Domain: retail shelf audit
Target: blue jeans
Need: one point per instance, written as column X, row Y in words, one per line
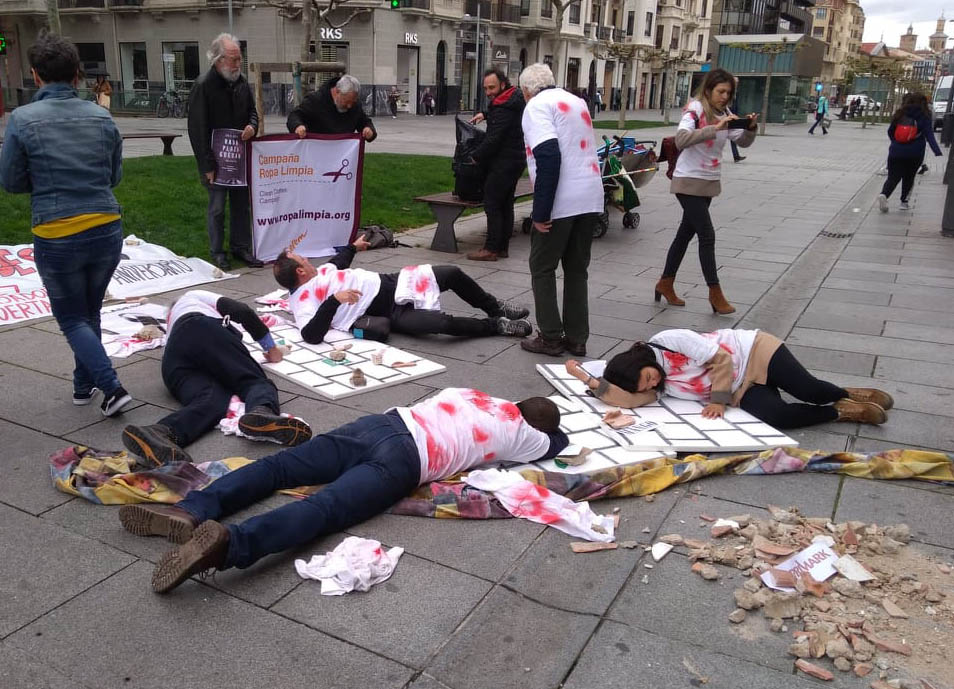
column 368, row 465
column 76, row 271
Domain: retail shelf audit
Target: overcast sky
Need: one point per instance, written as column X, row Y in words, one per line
column 891, row 18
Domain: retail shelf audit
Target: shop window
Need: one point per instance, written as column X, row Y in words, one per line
column 182, row 68
column 133, row 66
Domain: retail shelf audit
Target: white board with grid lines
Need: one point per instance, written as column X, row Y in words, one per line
column 680, row 424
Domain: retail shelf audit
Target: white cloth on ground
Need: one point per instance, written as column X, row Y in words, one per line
column 539, row 504
column 356, row 564
column 121, row 324
column 417, row 285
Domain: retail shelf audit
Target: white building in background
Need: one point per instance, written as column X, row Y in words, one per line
column 151, row 46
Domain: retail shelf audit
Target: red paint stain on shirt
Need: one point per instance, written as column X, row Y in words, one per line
column 447, row 408
column 726, row 348
column 304, row 296
column 710, row 143
column 529, row 500
column 595, row 168
column 340, row 276
column 509, row 412
column 481, row 400
column 489, row 456
column 321, row 292
column 582, row 143
column 529, row 152
column 676, row 361
column 586, row 118
column 422, row 284
column 564, row 107
column 480, row 435
column 715, row 162
column 436, row 453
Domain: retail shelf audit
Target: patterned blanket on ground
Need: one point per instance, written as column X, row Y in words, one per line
column 114, row 479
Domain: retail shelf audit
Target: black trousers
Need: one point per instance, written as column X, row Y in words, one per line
column 786, row 373
column 239, row 222
column 410, row 321
column 203, row 365
column 901, row 170
column 695, row 222
column 499, row 188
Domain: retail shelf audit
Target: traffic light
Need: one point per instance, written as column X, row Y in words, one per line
column 3, row 44
column 395, row 4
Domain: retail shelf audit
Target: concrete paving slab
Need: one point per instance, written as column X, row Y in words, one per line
column 386, row 618
column 813, row 439
column 260, row 648
column 19, row 670
column 923, row 351
column 822, row 359
column 620, row 656
column 20, row 345
column 813, row 494
column 841, row 324
column 506, row 634
column 928, row 431
column 24, row 454
column 44, row 565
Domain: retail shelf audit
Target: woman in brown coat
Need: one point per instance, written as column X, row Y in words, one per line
column 103, row 90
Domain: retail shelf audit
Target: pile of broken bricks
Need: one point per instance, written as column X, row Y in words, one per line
column 852, row 618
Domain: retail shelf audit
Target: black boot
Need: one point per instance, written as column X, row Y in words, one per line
column 264, row 424
column 157, row 444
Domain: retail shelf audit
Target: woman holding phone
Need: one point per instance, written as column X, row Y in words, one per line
column 706, row 125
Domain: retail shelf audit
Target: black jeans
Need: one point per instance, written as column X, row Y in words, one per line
column 819, row 120
column 366, row 466
column 239, row 222
column 786, row 373
column 410, row 321
column 901, row 170
column 203, row 365
column 695, row 221
column 499, row 188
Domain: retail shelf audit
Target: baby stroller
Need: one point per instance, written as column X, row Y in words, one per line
column 625, row 165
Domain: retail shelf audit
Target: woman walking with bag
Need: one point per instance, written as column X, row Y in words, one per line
column 707, row 123
column 911, row 128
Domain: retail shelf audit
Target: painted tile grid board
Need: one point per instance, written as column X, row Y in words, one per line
column 680, row 424
column 308, row 365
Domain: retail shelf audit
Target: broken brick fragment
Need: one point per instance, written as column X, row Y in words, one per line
column 813, row 670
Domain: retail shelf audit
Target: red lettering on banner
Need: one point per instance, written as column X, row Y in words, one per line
column 11, row 266
column 26, row 253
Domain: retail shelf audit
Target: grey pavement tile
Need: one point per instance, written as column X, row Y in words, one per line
column 769, row 257
column 463, row 348
column 24, row 455
column 863, row 344
column 619, row 310
column 857, row 274
column 884, row 502
column 834, row 360
column 877, row 313
column 879, row 256
column 814, row 439
column 814, row 494
column 928, row 431
column 852, row 296
column 926, row 333
column 186, row 642
column 943, row 304
column 672, row 318
column 910, row 397
column 627, row 657
column 545, row 570
column 513, row 383
column 44, row 565
column 680, row 605
column 456, row 543
column 380, row 401
column 909, row 370
column 20, row 347
column 387, row 618
column 143, row 380
column 19, row 670
column 839, row 323
column 506, row 634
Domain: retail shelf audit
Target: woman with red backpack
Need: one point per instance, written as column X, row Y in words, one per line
column 911, row 126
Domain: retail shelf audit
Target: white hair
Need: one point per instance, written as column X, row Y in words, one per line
column 216, row 51
column 535, row 78
column 348, row 84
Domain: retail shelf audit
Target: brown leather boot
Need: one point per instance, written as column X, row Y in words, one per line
column 170, row 521
column 879, row 397
column 718, row 302
column 862, row 412
column 482, row 255
column 665, row 288
column 205, row 550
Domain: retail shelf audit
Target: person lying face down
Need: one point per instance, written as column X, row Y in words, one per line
column 334, row 295
column 366, row 466
column 743, row 368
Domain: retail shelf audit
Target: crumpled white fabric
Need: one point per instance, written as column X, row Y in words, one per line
column 527, row 500
column 356, row 564
column 229, row 425
column 417, row 285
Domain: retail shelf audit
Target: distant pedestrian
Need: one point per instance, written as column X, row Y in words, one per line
column 736, row 156
column 598, row 99
column 567, row 200
column 67, row 153
column 427, row 102
column 910, row 130
column 821, row 114
column 393, row 97
column 221, row 99
column 103, row 90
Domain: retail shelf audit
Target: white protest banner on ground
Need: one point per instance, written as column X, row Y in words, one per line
column 818, row 560
column 144, row 269
column 305, row 190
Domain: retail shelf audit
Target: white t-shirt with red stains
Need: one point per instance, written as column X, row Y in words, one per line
column 686, row 375
column 417, row 285
column 305, row 300
column 460, row 428
column 557, row 114
column 704, row 159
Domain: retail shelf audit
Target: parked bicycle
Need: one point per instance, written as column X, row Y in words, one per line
column 171, row 103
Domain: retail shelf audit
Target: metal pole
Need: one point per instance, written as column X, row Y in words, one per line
column 477, row 64
column 231, row 32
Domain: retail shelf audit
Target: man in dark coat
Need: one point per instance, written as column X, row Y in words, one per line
column 502, row 157
column 335, row 108
column 221, row 99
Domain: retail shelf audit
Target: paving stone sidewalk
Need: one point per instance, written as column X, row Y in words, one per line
column 862, row 298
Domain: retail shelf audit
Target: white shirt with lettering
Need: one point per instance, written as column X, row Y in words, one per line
column 305, row 300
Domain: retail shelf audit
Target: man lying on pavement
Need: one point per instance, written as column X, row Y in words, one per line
column 367, row 466
column 338, row 296
column 204, row 363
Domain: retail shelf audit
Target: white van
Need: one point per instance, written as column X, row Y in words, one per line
column 941, row 94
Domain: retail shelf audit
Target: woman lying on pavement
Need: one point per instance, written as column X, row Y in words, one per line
column 742, row 368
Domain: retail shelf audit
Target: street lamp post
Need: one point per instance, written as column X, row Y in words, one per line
column 477, row 57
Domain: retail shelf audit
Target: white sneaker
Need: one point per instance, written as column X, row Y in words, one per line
column 904, row 206
column 883, row 203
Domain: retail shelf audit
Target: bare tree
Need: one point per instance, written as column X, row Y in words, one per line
column 313, row 14
column 771, row 52
column 560, row 7
column 53, row 16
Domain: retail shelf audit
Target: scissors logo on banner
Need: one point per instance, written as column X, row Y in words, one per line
column 340, row 173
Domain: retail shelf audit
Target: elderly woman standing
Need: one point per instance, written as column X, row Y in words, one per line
column 67, row 154
column 702, row 133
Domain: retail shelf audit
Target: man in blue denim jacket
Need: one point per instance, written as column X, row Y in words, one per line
column 67, row 154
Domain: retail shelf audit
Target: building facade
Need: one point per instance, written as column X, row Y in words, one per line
column 151, row 46
column 835, row 23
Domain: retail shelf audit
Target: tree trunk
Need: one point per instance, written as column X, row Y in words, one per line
column 53, row 16
column 765, row 96
column 306, row 26
column 621, row 122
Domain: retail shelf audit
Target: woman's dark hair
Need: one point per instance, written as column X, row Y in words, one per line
column 712, row 79
column 285, row 271
column 911, row 100
column 54, row 58
column 501, row 77
column 541, row 413
column 623, row 370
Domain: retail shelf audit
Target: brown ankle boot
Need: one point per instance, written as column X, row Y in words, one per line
column 862, row 412
column 718, row 301
column 879, row 397
column 664, row 288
